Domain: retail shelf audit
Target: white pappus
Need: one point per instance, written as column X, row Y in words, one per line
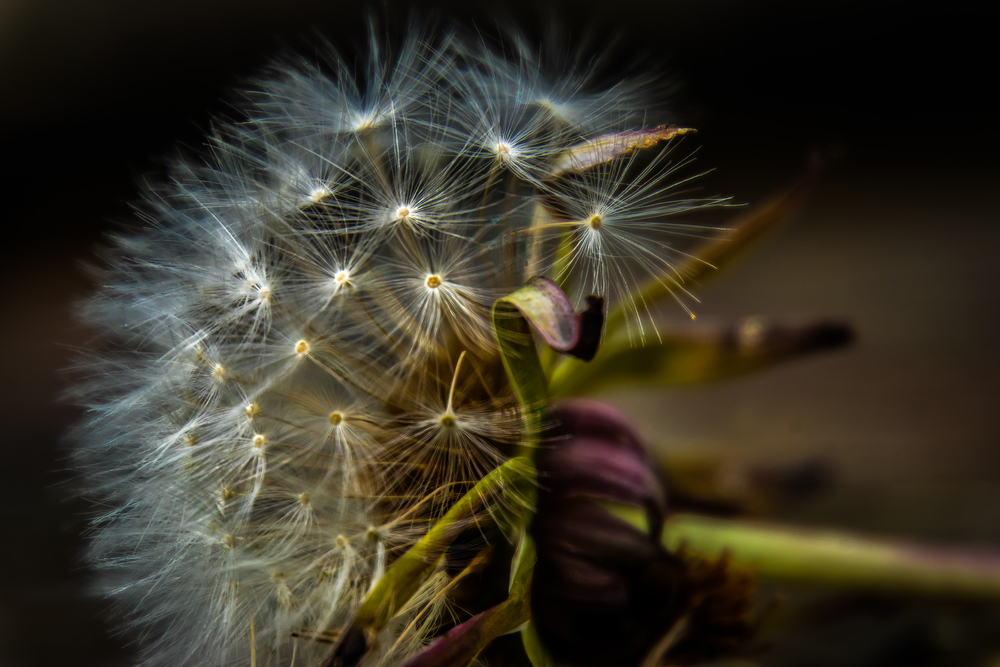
column 294, row 355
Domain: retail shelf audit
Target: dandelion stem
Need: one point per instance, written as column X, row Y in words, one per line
column 840, row 560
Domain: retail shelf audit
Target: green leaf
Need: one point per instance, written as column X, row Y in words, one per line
column 542, row 306
column 537, row 654
column 460, row 645
column 517, row 350
column 697, row 353
column 512, row 480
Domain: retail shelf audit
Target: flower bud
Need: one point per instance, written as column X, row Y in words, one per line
column 604, row 591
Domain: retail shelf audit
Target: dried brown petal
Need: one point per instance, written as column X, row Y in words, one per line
column 614, row 145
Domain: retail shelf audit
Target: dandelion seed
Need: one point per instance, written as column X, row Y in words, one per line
column 609, row 224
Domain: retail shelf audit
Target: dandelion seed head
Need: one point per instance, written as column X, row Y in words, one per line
column 297, row 371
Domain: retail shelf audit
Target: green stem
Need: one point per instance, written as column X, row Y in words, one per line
column 564, row 254
column 395, row 588
column 460, row 645
column 839, row 560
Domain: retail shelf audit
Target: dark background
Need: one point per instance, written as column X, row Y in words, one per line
column 900, row 238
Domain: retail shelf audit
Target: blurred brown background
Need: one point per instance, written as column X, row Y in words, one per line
column 900, row 238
